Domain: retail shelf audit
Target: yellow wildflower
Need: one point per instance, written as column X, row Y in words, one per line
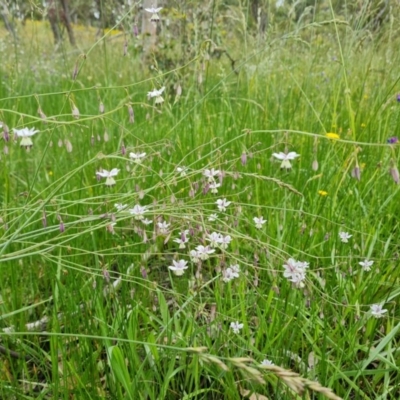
column 333, row 136
column 322, row 193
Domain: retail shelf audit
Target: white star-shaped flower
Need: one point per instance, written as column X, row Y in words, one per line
column 214, row 187
column 222, row 204
column 344, row 237
column 182, row 170
column 109, row 175
column 210, row 174
column 295, row 271
column 138, row 211
column 377, row 311
column 267, row 362
column 178, row 267
column 224, row 243
column 157, row 94
column 213, row 217
column 25, row 134
column 204, row 252
column 366, row 264
column 286, row 158
column 137, row 157
column 163, row 227
column 259, row 222
column 214, row 239
column 236, row 327
column 120, row 206
column 154, row 11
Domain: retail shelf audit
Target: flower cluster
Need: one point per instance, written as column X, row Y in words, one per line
column 212, row 184
column 295, row 271
column 231, row 272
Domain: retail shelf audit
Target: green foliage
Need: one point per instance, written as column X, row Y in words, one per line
column 89, row 306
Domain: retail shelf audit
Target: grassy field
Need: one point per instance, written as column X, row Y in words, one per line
column 209, row 266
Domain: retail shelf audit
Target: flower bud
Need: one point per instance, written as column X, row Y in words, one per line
column 315, row 165
column 395, row 174
column 356, row 173
column 131, row 114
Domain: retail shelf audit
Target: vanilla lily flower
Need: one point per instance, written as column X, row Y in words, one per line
column 138, row 211
column 194, row 256
column 228, row 275
column 214, row 187
column 213, row 217
column 231, row 272
column 366, row 264
column 214, row 239
column 137, row 157
column 236, row 327
column 183, row 239
column 120, row 206
column 259, row 222
column 222, row 204
column 267, row 362
column 157, row 94
column 377, row 311
column 154, row 11
column 178, row 267
column 210, row 173
column 295, row 271
column 204, row 252
column 163, row 227
column 182, row 170
column 109, row 175
column 286, row 158
column 25, row 134
column 224, row 242
column 344, row 237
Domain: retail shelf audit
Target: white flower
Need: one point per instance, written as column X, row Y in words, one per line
column 154, row 11
column 109, row 175
column 286, row 158
column 157, row 94
column 147, row 221
column 163, row 227
column 194, row 256
column 222, row 204
column 183, row 239
column 295, row 271
column 344, row 236
column 182, row 170
column 138, row 211
column 377, row 310
column 25, row 134
column 137, row 157
column 204, row 252
column 178, row 267
column 214, row 239
column 235, row 269
column 231, row 272
column 214, row 187
column 210, row 173
column 236, row 327
column 213, row 217
column 228, row 275
column 267, row 362
column 225, row 240
column 366, row 264
column 259, row 222
column 120, row 206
